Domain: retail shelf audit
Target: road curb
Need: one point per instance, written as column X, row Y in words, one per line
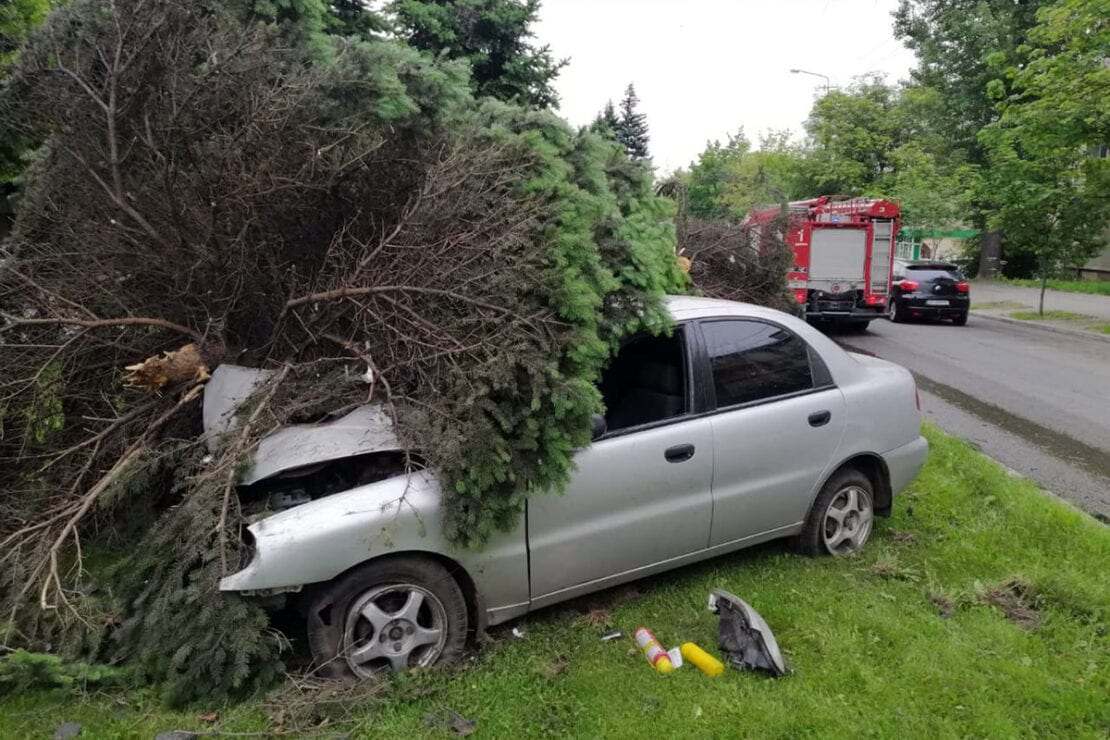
column 1043, row 327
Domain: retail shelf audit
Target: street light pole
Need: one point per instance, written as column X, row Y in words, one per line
column 814, row 74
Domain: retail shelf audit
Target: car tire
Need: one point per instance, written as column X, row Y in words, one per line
column 858, row 327
column 841, row 518
column 896, row 313
column 386, row 616
column 960, row 320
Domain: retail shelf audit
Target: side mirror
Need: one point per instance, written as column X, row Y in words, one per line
column 599, row 425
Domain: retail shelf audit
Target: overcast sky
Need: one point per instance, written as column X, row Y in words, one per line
column 704, row 68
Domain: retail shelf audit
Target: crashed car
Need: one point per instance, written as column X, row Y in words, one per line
column 744, row 425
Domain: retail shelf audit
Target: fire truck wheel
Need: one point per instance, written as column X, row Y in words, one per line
column 841, row 518
column 896, row 313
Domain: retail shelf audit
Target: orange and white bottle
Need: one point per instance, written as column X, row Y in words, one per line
column 653, row 651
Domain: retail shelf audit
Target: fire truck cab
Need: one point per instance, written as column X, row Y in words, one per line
column 843, row 254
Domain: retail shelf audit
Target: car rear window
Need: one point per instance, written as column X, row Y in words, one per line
column 932, row 272
column 753, row 361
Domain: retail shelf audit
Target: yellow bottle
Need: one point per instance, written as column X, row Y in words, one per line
column 653, row 651
column 705, row 662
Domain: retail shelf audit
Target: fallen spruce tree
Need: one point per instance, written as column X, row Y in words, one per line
column 212, row 187
column 738, row 262
column 733, row 261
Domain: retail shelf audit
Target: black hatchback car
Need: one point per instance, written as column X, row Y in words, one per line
column 928, row 289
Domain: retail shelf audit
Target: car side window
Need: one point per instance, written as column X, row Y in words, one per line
column 753, row 361
column 646, row 382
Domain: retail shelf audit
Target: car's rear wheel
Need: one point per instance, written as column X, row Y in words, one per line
column 857, row 327
column 388, row 616
column 842, row 516
column 960, row 320
column 895, row 311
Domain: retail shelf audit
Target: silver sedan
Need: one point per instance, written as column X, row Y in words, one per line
column 745, row 425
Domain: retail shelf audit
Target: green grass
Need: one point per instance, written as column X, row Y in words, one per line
column 1049, row 316
column 895, row 642
column 997, row 304
column 1104, row 328
column 1096, row 287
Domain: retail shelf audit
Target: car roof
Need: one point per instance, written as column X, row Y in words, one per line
column 683, row 307
column 933, row 264
column 689, row 308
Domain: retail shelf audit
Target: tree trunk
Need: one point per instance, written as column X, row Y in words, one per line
column 990, row 257
column 1044, row 284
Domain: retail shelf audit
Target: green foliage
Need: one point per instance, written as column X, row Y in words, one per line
column 960, row 46
column 632, row 128
column 1093, row 287
column 45, row 416
column 957, row 44
column 611, row 251
column 606, row 123
column 354, row 18
column 727, row 180
column 870, row 139
column 853, row 135
column 22, row 671
column 1049, row 316
column 1053, row 196
column 303, row 162
column 493, row 37
column 302, row 23
column 179, row 629
column 17, row 19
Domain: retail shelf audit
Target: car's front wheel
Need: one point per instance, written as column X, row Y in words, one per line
column 842, row 516
column 387, row 616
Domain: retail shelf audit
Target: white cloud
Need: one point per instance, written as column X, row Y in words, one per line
column 704, row 68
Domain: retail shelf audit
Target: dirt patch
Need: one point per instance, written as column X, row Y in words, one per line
column 448, row 720
column 899, row 537
column 944, row 605
column 1018, row 602
column 598, row 617
column 891, row 569
column 556, row 668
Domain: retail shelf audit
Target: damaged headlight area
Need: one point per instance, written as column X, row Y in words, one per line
column 743, row 635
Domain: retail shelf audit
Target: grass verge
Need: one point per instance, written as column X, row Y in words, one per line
column 980, row 608
column 1103, row 328
column 1095, row 287
column 997, row 304
column 1050, row 316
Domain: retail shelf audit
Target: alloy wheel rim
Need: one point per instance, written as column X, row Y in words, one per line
column 393, row 628
column 848, row 521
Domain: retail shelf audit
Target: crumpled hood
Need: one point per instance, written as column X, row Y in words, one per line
column 366, row 429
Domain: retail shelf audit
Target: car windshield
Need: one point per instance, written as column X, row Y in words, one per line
column 932, row 272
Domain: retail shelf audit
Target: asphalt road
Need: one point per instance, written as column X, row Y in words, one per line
column 1036, row 401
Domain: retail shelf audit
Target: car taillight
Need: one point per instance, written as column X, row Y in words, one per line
column 873, row 300
column 907, row 286
column 961, row 287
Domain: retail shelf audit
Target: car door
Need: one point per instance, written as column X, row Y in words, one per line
column 639, row 496
column 777, row 423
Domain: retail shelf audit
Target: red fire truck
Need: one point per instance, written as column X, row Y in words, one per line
column 843, row 251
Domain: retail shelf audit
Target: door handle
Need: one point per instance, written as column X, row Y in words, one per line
column 820, row 418
column 679, row 453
